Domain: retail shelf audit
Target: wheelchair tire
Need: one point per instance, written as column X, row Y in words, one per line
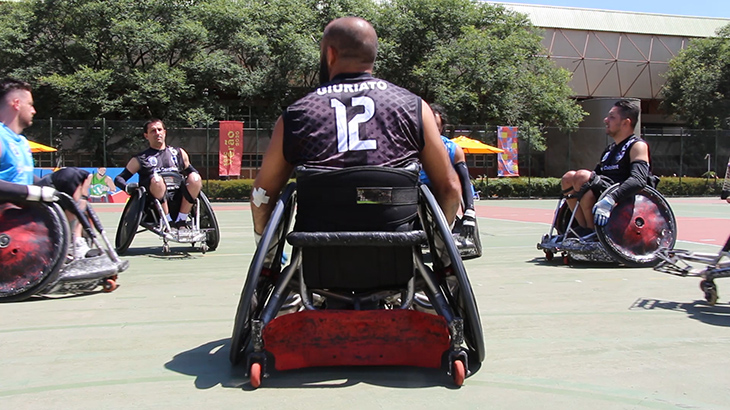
column 638, row 228
column 130, row 220
column 34, row 240
column 562, row 218
column 257, row 288
column 208, row 220
column 466, row 304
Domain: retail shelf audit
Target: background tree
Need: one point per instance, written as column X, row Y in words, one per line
column 204, row 60
column 482, row 62
column 698, row 83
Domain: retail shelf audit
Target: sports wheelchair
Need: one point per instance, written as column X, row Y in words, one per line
column 145, row 212
column 708, row 266
column 34, row 243
column 356, row 291
column 637, row 229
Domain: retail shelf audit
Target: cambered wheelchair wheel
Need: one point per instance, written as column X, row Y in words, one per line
column 465, row 302
column 563, row 218
column 34, row 240
column 130, row 220
column 638, row 227
column 208, row 221
column 257, row 288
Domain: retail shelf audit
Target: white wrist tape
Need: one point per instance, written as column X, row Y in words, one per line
column 471, row 213
column 256, row 237
column 41, row 193
column 259, row 197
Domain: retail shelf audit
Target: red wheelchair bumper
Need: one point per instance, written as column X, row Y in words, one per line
column 357, row 338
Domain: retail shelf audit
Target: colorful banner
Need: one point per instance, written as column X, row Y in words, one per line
column 507, row 161
column 231, row 148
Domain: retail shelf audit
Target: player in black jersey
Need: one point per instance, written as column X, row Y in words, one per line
column 353, row 119
column 625, row 161
column 160, row 157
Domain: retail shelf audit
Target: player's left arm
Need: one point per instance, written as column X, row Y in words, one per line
column 188, row 168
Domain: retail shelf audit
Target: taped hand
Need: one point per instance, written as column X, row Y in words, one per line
column 602, row 210
column 131, row 188
column 469, row 222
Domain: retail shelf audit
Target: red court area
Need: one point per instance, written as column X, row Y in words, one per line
column 710, row 231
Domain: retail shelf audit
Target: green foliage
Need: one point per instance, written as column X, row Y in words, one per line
column 232, row 190
column 204, row 60
column 698, row 83
column 480, row 61
column 518, row 187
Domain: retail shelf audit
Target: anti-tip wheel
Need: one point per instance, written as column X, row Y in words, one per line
column 549, row 255
column 458, row 372
column 109, row 285
column 710, row 290
column 255, row 375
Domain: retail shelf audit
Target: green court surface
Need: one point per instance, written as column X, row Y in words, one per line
column 557, row 336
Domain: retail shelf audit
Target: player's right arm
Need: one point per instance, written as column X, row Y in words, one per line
column 273, row 175
column 132, row 168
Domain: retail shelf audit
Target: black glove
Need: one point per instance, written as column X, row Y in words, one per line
column 468, row 224
column 41, row 193
column 131, row 188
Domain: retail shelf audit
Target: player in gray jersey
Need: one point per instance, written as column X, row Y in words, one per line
column 353, row 119
column 158, row 158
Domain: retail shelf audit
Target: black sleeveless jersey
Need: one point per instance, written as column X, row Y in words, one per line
column 152, row 160
column 616, row 161
column 354, row 120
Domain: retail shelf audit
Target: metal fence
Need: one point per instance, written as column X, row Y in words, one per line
column 675, row 151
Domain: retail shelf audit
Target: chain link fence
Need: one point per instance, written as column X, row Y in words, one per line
column 674, row 152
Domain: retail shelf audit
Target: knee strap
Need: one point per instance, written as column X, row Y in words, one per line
column 186, row 194
column 592, row 181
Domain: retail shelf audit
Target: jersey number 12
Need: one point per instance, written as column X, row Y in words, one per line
column 348, row 132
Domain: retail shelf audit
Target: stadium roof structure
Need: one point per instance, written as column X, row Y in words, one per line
column 614, row 53
column 617, row 21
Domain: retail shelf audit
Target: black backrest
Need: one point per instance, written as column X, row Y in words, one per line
column 357, row 199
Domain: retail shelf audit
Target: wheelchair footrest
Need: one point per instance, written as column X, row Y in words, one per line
column 357, row 338
column 86, row 274
column 91, row 268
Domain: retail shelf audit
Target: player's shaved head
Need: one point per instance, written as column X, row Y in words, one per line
column 354, row 39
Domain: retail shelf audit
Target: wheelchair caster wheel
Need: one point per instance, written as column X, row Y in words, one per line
column 710, row 290
column 549, row 255
column 458, row 372
column 110, row 285
column 566, row 259
column 166, row 249
column 255, row 375
column 204, row 248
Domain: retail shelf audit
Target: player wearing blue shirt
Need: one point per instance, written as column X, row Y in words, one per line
column 458, row 160
column 17, row 181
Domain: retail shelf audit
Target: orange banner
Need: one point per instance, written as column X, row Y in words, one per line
column 231, row 148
